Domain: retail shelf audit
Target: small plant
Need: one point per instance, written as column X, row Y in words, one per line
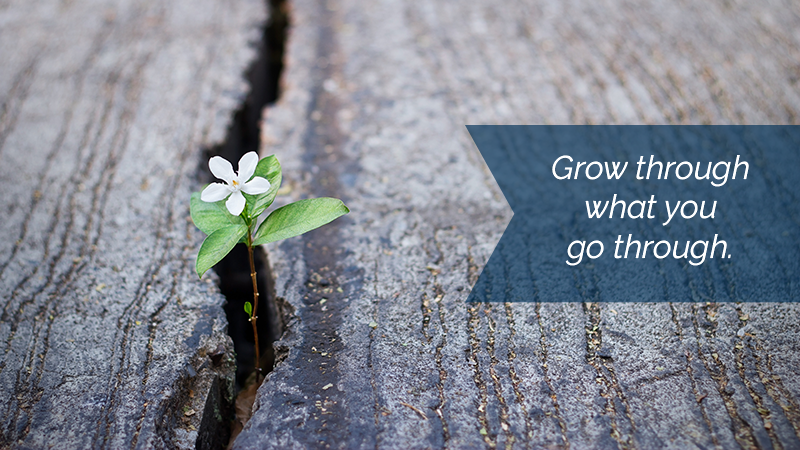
column 229, row 214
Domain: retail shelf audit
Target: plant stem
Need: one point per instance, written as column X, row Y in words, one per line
column 253, row 316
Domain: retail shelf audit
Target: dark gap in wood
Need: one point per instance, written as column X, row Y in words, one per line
column 244, row 135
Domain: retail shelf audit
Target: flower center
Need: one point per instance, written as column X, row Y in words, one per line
column 235, row 183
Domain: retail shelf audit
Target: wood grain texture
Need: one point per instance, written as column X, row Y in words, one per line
column 105, row 108
column 376, row 96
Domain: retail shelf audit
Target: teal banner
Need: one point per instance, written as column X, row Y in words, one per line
column 644, row 213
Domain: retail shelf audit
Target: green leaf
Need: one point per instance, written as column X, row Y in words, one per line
column 210, row 217
column 299, row 217
column 248, row 308
column 270, row 169
column 217, row 245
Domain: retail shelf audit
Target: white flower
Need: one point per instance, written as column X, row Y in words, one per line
column 236, row 182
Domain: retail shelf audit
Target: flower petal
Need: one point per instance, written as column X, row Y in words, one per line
column 215, row 192
column 247, row 166
column 257, row 185
column 221, row 168
column 236, row 203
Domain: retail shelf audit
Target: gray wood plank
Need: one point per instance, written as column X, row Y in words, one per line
column 375, row 102
column 105, row 108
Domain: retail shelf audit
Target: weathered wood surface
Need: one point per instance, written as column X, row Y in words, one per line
column 106, row 107
column 375, row 102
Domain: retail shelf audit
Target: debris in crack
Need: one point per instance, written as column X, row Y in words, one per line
column 243, row 408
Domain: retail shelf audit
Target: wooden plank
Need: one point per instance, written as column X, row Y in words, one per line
column 106, row 108
column 373, row 111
